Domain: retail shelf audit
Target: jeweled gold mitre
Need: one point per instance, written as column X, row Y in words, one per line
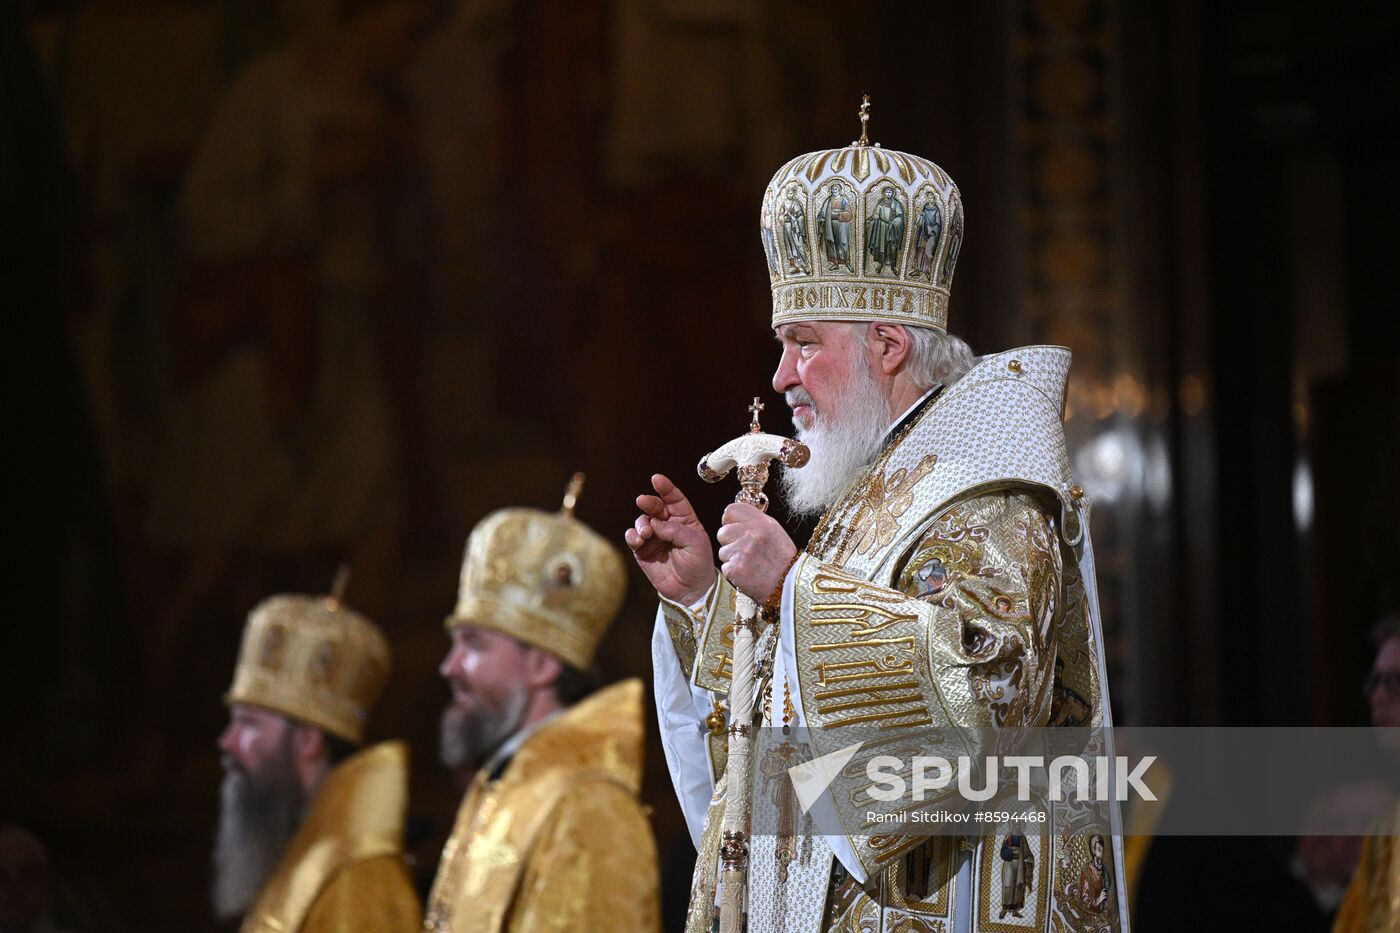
column 312, row 658
column 861, row 233
column 544, row 578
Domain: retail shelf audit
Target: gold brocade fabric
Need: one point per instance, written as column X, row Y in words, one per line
column 560, row 841
column 963, row 644
column 1372, row 902
column 543, row 578
column 369, row 895
column 344, row 870
column 969, row 636
column 314, row 659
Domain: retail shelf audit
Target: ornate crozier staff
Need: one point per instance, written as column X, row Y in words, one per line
column 751, row 453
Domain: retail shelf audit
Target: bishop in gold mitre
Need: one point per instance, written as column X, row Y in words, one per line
column 948, row 585
column 310, row 833
column 550, row 834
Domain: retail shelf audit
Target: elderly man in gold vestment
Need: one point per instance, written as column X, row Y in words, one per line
column 550, row 835
column 310, row 831
column 949, row 572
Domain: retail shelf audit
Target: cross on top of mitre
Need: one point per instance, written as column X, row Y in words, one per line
column 864, row 116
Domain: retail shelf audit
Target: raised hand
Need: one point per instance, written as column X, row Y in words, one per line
column 670, row 545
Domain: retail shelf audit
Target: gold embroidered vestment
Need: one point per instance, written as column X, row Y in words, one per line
column 945, row 592
column 344, row 870
column 559, row 842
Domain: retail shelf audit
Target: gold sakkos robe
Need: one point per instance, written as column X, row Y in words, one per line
column 344, row 870
column 1372, row 902
column 951, row 588
column 558, row 840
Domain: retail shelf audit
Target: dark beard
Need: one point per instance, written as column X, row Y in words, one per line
column 258, row 815
column 468, row 737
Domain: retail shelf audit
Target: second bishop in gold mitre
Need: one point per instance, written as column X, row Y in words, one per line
column 550, row 834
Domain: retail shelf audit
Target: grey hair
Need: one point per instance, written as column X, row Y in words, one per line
column 935, row 357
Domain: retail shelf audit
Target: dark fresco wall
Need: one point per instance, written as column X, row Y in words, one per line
column 297, row 283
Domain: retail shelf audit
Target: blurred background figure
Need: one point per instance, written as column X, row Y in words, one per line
column 1325, row 864
column 311, row 829
column 305, row 225
column 28, row 895
column 1382, row 685
column 1372, row 899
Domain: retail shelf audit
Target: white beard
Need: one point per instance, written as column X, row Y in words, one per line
column 257, row 818
column 469, row 736
column 844, row 440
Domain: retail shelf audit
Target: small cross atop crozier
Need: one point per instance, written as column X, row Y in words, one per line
column 756, row 407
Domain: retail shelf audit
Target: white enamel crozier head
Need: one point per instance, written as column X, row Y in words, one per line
column 751, row 453
column 861, row 233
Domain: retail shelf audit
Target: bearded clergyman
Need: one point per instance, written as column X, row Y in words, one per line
column 949, row 576
column 550, row 835
column 310, row 833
